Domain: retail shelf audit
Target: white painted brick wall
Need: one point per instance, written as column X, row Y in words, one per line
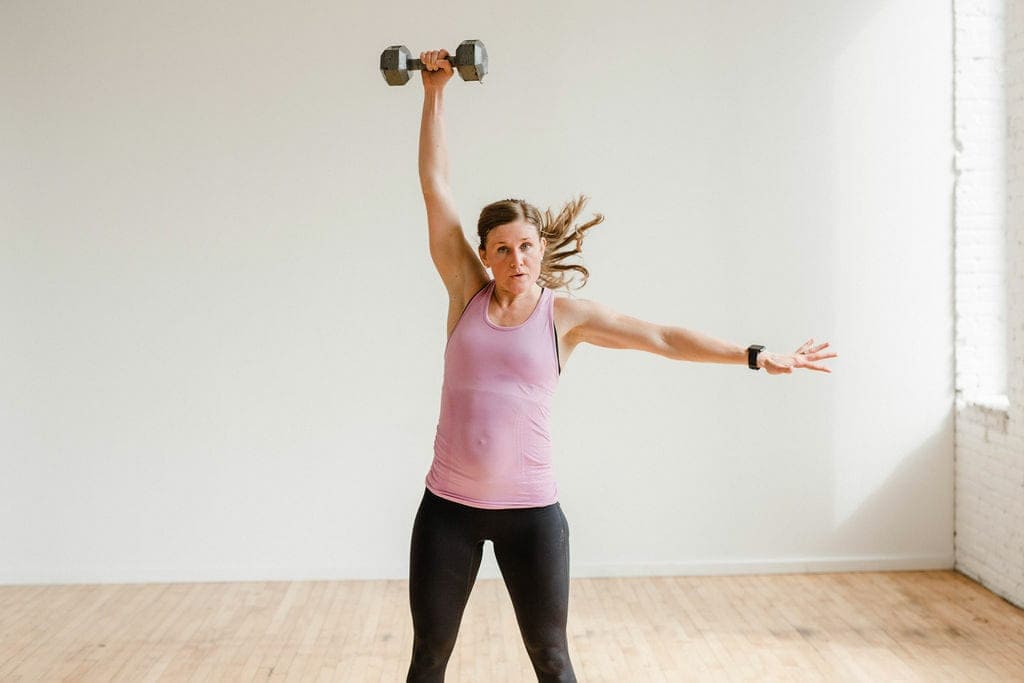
column 989, row 133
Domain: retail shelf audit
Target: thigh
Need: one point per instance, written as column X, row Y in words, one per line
column 533, row 555
column 443, row 562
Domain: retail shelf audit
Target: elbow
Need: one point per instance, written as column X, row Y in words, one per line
column 669, row 344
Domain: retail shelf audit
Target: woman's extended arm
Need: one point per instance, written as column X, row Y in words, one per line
column 433, row 147
column 597, row 324
column 456, row 261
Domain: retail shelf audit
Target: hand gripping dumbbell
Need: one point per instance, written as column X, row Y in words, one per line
column 470, row 60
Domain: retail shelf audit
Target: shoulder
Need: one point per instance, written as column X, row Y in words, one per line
column 572, row 314
column 588, row 321
column 470, row 292
column 570, row 305
column 575, row 306
column 457, row 306
column 462, row 290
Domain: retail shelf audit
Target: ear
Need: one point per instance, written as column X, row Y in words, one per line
column 483, row 257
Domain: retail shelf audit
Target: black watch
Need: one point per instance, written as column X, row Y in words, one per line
column 752, row 352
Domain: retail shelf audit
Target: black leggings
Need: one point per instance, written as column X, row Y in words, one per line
column 532, row 549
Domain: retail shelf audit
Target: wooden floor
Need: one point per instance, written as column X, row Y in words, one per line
column 889, row 626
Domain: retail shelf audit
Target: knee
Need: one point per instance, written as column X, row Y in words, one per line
column 429, row 659
column 552, row 663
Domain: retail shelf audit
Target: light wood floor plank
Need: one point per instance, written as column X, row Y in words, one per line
column 153, row 622
column 180, row 628
column 25, row 630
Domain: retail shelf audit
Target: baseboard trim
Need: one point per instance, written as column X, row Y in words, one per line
column 818, row 565
column 488, row 570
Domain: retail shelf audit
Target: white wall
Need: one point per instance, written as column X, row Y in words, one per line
column 990, row 249
column 221, row 331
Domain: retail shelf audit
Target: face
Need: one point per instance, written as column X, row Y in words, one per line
column 514, row 253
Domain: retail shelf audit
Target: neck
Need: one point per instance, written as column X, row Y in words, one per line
column 508, row 299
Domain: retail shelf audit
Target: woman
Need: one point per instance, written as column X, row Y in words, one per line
column 508, row 338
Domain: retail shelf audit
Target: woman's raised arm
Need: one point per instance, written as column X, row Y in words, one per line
column 593, row 323
column 456, row 262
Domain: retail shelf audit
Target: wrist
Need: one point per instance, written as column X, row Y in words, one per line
column 433, row 93
column 755, row 356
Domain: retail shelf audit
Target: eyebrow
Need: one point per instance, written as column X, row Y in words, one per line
column 525, row 239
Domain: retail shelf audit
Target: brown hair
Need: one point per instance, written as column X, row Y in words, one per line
column 565, row 239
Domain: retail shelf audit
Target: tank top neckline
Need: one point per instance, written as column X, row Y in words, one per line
column 502, row 328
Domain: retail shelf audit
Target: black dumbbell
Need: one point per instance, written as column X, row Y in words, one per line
column 470, row 60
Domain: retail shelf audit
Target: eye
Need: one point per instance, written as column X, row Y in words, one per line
column 502, row 250
column 526, row 245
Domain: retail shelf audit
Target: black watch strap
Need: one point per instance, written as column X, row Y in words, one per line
column 752, row 352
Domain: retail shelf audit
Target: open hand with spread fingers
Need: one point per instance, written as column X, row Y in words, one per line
column 807, row 356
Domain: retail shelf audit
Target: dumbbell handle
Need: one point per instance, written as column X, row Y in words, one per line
column 417, row 65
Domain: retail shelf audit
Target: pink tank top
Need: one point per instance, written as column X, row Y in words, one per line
column 493, row 447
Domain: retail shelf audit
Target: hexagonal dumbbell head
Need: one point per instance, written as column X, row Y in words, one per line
column 471, row 60
column 394, row 64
